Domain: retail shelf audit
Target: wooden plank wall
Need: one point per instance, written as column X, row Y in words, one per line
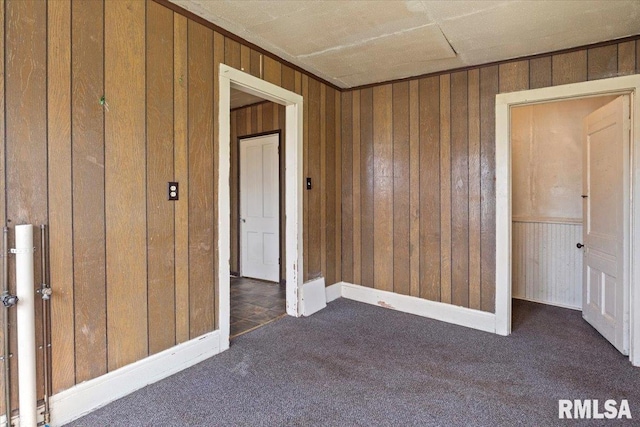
column 418, row 173
column 104, row 103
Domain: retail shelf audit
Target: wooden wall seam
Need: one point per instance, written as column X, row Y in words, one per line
column 160, row 170
column 60, row 230
column 181, row 174
column 125, row 192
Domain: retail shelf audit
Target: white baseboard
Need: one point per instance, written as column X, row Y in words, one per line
column 90, row 395
column 334, row 291
column 457, row 315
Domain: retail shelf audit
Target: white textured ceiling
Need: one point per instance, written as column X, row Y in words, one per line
column 357, row 42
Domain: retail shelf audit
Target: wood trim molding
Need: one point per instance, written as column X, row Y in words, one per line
column 85, row 397
column 470, row 318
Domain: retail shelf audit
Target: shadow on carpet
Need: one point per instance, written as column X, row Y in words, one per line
column 354, row 364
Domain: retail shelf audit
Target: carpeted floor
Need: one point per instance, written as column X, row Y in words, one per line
column 358, row 365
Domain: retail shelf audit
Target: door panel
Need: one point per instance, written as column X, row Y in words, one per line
column 259, row 208
column 606, row 220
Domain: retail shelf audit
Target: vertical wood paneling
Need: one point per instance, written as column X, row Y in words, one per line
column 201, row 176
column 357, row 197
column 626, row 58
column 288, row 79
column 87, row 132
column 460, row 189
column 569, row 67
column 258, row 114
column 330, row 249
column 401, row 214
column 313, row 259
column 337, row 173
column 160, row 158
column 489, row 87
column 430, row 188
column 256, row 64
column 331, row 184
column 347, row 186
column 445, row 188
column 272, row 70
column 232, row 54
column 602, row 62
column 367, row 180
column 414, row 187
column 126, row 228
column 181, row 175
column 26, row 140
column 383, row 187
column 245, row 58
column 298, row 82
column 3, row 204
column 514, row 76
column 540, row 72
column 474, row 188
column 60, row 190
column 267, row 111
column 323, row 180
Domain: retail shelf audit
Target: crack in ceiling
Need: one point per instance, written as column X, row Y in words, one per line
column 353, row 43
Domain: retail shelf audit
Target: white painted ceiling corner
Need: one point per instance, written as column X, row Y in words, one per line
column 354, row 43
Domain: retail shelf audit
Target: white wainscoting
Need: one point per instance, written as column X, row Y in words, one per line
column 547, row 265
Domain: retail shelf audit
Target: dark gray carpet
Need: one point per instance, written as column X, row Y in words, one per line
column 357, row 365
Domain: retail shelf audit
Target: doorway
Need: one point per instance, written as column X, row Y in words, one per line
column 230, row 78
column 546, row 164
column 548, row 199
column 257, row 201
column 504, row 103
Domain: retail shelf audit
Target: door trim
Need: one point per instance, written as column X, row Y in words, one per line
column 613, row 86
column 231, row 78
column 239, row 230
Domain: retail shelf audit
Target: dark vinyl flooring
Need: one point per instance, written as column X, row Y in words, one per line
column 255, row 303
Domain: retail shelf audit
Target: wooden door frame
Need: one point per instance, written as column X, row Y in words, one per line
column 231, row 78
column 238, row 165
column 613, row 86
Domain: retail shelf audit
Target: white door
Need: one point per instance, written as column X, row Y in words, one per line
column 259, row 208
column 605, row 184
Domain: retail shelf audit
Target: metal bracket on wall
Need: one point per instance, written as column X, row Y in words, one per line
column 8, row 300
column 22, row 251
